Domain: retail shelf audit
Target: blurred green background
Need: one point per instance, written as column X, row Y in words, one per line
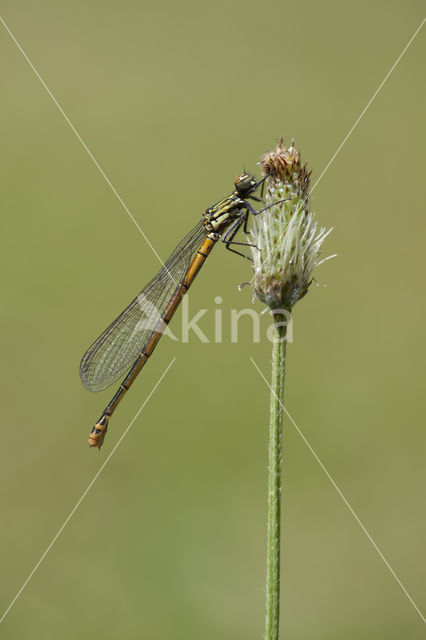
column 173, row 99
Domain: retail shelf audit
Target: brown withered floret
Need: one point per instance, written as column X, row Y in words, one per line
column 284, row 164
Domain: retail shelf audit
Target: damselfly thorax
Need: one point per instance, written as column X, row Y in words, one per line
column 218, row 217
column 129, row 341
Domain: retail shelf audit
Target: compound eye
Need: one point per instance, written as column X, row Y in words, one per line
column 244, row 182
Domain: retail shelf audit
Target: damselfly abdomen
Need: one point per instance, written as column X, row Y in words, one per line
column 130, row 340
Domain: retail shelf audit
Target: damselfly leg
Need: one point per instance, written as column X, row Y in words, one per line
column 228, row 237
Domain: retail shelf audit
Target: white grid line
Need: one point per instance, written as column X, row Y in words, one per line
column 342, row 496
column 84, row 145
column 369, row 103
column 84, row 494
column 353, row 127
column 167, row 369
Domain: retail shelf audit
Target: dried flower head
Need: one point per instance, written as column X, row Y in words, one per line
column 287, row 237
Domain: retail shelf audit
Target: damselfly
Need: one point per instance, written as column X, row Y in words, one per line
column 132, row 337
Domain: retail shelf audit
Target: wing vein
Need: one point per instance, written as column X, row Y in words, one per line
column 119, row 345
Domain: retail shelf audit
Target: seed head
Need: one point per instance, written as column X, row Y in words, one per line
column 286, row 235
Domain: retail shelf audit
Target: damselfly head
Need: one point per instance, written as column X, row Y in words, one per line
column 245, row 184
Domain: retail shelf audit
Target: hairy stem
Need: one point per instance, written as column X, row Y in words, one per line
column 275, row 483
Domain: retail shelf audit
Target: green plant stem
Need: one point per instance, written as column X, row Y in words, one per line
column 275, row 483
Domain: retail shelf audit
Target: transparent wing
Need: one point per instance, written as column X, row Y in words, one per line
column 119, row 345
